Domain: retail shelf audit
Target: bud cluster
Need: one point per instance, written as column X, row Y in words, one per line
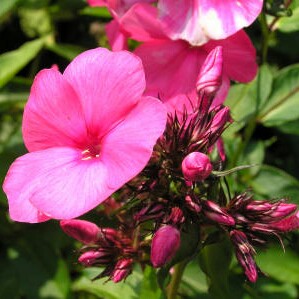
column 179, row 189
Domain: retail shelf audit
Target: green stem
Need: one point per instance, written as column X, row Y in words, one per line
column 265, row 36
column 176, row 278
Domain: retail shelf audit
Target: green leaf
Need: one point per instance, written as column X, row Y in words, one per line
column 149, row 287
column 12, row 62
column 6, row 6
column 100, row 12
column 246, row 100
column 101, row 288
column 35, row 22
column 65, row 50
column 289, row 24
column 291, row 127
column 194, row 282
column 283, row 103
column 215, row 260
column 280, row 265
column 275, row 183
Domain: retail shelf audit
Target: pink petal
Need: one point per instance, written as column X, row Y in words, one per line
column 97, row 2
column 181, row 20
column 58, row 183
column 221, row 19
column 53, row 115
column 142, row 23
column 127, row 149
column 171, row 67
column 238, row 56
column 198, row 21
column 117, row 39
column 20, row 208
column 109, row 85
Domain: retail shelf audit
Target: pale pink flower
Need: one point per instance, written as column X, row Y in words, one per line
column 89, row 131
column 172, row 67
column 198, row 21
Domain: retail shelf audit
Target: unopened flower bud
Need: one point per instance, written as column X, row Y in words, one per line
column 287, row 224
column 283, row 210
column 91, row 257
column 220, row 120
column 210, row 76
column 192, row 205
column 151, row 211
column 121, row 270
column 81, row 230
column 165, row 244
column 176, row 216
column 215, row 213
column 196, row 166
column 244, row 253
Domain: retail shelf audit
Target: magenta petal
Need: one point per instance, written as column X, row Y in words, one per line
column 53, row 114
column 239, row 56
column 127, row 149
column 142, row 23
column 117, row 39
column 109, row 85
column 171, row 67
column 58, row 183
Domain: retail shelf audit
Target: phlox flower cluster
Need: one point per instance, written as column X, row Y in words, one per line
column 140, row 133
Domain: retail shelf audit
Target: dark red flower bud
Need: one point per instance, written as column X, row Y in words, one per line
column 165, row 244
column 215, row 213
column 81, row 230
column 98, row 257
column 121, row 270
column 192, row 205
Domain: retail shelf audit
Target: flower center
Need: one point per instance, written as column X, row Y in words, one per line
column 92, row 152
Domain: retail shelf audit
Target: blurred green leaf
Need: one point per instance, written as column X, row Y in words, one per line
column 291, row 127
column 280, row 265
column 215, row 260
column 283, row 103
column 39, row 270
column 35, row 22
column 289, row 24
column 65, row 50
column 102, row 288
column 6, row 6
column 12, row 62
column 100, row 12
column 149, row 286
column 275, row 183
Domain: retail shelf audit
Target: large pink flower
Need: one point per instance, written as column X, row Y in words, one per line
column 172, row 66
column 197, row 21
column 88, row 131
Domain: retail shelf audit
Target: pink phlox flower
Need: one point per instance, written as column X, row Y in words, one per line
column 117, row 37
column 172, row 66
column 198, row 21
column 88, row 131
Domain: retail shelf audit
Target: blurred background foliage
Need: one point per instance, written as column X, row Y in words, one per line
column 39, row 261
